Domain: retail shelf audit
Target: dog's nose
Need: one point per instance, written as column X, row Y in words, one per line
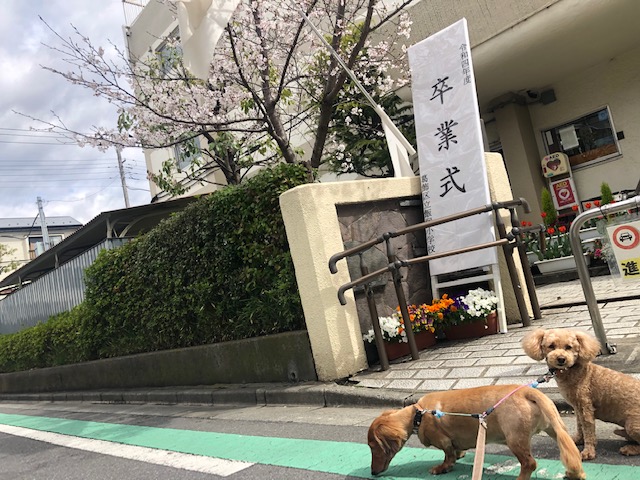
column 561, row 360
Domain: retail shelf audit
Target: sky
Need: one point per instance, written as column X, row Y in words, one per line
column 70, row 180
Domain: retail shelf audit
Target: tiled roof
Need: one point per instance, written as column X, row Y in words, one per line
column 25, row 222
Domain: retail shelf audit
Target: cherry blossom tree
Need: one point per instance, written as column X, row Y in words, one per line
column 271, row 94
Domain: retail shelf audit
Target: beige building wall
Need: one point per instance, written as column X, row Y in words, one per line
column 614, row 83
column 313, row 231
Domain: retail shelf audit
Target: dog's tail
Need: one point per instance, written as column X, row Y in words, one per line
column 569, row 453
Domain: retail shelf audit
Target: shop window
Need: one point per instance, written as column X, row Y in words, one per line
column 586, row 139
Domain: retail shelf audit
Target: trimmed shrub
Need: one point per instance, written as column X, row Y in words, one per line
column 219, row 270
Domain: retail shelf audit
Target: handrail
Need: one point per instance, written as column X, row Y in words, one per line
column 405, row 263
column 581, row 263
column 420, row 226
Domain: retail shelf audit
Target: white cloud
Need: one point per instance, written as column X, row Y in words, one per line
column 79, row 182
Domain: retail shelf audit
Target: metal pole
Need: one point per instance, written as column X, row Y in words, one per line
column 43, row 226
column 375, row 320
column 507, row 248
column 581, row 263
column 122, row 178
column 402, row 300
column 526, row 267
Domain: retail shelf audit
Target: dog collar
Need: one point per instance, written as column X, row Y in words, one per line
column 417, row 418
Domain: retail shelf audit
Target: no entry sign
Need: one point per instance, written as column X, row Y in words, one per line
column 625, row 243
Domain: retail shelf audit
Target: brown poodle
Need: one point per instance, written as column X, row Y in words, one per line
column 524, row 412
column 592, row 390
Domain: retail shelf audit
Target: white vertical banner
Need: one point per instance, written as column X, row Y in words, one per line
column 450, row 149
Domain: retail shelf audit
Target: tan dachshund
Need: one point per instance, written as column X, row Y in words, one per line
column 592, row 390
column 524, row 412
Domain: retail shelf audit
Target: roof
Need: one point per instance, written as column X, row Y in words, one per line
column 127, row 222
column 29, row 222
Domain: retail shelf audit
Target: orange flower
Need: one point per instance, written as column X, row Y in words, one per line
column 543, row 214
column 551, row 230
column 574, row 208
column 562, row 229
column 596, row 203
column 587, row 205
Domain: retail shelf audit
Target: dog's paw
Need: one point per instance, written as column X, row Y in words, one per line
column 441, row 469
column 461, row 453
column 588, row 453
column 630, row 450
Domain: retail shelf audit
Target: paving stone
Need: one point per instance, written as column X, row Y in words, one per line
column 460, row 362
column 453, row 356
column 432, row 373
column 430, row 385
column 466, row 372
column 507, row 346
column 400, row 373
column 486, row 354
column 418, row 364
column 472, row 382
column 494, row 361
column 404, row 384
column 515, row 353
column 371, row 383
column 505, row 371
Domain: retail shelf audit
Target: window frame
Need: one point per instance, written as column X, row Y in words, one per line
column 554, row 133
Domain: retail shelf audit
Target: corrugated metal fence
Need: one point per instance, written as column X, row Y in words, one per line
column 57, row 291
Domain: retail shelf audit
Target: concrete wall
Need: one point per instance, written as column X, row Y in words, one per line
column 284, row 357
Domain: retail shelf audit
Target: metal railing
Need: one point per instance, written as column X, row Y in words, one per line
column 508, row 242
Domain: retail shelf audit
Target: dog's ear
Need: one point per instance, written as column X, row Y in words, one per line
column 388, row 433
column 532, row 344
column 589, row 346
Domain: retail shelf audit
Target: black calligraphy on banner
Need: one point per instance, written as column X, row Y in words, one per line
column 464, row 63
column 449, row 183
column 428, row 215
column 445, row 132
column 440, row 88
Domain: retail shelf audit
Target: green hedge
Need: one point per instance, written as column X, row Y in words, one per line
column 219, row 270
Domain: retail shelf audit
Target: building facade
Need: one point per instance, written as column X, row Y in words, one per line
column 24, row 239
column 553, row 76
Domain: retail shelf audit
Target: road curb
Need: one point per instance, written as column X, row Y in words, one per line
column 306, row 394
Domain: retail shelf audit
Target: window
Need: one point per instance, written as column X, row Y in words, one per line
column 584, row 139
column 36, row 244
column 186, row 152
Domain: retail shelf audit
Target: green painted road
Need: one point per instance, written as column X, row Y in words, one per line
column 342, row 458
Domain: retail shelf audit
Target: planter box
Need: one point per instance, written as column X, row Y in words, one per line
column 559, row 264
column 589, row 234
column 481, row 328
column 397, row 350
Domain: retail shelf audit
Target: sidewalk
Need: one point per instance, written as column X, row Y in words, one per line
column 495, row 359
column 499, row 359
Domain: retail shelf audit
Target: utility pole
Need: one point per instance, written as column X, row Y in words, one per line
column 122, row 179
column 43, row 226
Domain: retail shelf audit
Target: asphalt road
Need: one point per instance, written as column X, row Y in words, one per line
column 106, row 441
